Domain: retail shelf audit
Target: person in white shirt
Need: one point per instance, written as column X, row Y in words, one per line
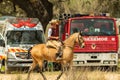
column 53, row 37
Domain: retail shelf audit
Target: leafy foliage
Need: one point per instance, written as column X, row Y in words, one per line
column 45, row 11
column 30, row 8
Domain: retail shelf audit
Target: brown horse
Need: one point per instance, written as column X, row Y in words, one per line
column 40, row 53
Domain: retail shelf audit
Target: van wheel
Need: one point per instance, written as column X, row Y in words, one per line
column 7, row 70
column 2, row 66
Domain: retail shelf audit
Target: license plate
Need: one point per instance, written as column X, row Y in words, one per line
column 94, row 54
column 26, row 64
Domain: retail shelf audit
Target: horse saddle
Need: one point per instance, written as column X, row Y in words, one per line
column 52, row 44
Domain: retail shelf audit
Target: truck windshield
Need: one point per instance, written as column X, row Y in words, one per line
column 94, row 27
column 25, row 37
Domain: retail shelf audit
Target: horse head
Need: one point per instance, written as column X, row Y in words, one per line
column 80, row 40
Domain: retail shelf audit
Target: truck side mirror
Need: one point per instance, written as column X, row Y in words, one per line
column 119, row 29
column 62, row 27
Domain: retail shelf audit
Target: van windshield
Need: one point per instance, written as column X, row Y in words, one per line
column 93, row 27
column 25, row 37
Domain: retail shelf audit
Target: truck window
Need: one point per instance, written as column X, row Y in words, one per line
column 25, row 37
column 94, row 27
column 2, row 43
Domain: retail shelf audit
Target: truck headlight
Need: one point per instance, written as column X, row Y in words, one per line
column 11, row 56
column 113, row 56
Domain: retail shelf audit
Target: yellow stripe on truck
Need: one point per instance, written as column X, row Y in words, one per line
column 17, row 50
column 2, row 57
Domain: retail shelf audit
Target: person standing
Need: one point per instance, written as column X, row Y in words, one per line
column 17, row 36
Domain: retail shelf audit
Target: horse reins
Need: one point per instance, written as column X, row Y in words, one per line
column 79, row 39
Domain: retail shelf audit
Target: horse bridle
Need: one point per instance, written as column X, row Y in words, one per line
column 79, row 39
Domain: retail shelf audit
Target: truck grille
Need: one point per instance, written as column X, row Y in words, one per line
column 93, row 61
column 22, row 55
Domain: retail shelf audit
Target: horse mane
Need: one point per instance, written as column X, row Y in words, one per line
column 68, row 40
column 71, row 36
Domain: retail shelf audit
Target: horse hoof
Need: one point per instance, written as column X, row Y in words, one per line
column 56, row 79
column 45, row 79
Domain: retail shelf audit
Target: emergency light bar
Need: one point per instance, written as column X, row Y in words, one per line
column 19, row 22
column 67, row 16
column 100, row 14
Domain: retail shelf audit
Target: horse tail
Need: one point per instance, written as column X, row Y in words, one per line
column 28, row 57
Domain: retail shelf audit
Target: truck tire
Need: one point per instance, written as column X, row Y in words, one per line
column 114, row 68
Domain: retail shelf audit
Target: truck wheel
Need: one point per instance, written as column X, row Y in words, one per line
column 114, row 68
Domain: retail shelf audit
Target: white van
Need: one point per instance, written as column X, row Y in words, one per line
column 20, row 34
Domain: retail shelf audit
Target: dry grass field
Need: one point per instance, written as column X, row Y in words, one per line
column 71, row 75
column 76, row 74
column 83, row 73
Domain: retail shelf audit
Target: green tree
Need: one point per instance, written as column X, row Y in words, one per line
column 111, row 6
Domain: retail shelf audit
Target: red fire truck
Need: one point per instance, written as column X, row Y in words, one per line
column 100, row 35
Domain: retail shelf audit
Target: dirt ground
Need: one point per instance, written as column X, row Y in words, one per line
column 52, row 76
column 34, row 76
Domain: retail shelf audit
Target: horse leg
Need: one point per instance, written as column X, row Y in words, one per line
column 60, row 75
column 68, row 69
column 62, row 71
column 64, row 68
column 41, row 65
column 33, row 65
